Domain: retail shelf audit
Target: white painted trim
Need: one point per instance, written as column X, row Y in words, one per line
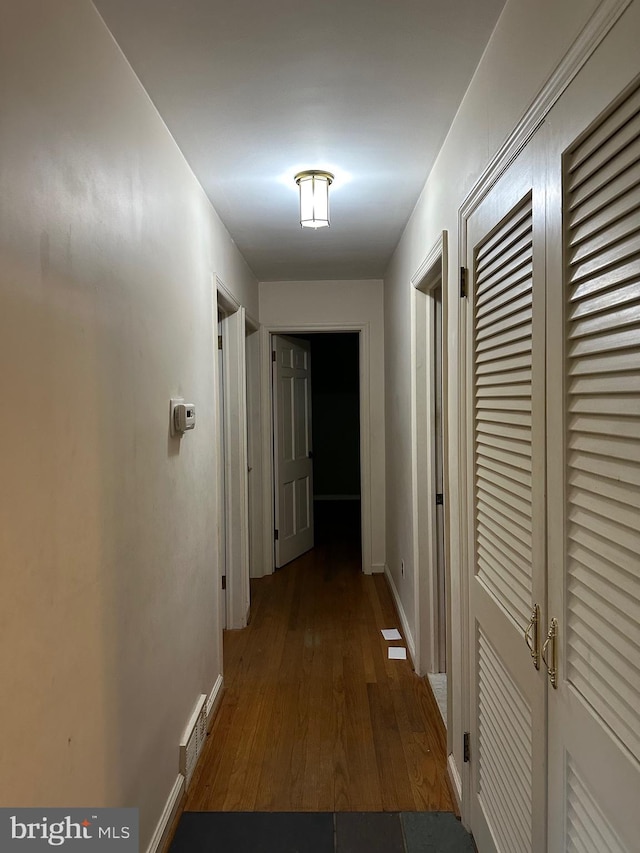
column 225, row 298
column 432, row 270
column 428, row 273
column 266, row 414
column 404, row 622
column 378, row 568
column 251, row 324
column 594, row 31
column 456, row 781
column 236, row 510
column 255, row 464
column 365, row 425
column 171, row 808
column 213, row 700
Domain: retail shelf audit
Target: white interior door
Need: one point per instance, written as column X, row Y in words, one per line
column 293, row 448
column 506, row 477
column 594, row 481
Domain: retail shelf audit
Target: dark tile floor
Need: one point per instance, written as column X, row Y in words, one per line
column 321, row 832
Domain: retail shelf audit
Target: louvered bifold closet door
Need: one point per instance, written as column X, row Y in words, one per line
column 506, row 408
column 503, row 341
column 597, row 704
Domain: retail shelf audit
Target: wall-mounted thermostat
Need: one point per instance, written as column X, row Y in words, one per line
column 182, row 416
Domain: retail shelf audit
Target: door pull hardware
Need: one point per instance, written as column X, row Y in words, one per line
column 532, row 636
column 551, row 661
column 439, row 499
column 463, row 282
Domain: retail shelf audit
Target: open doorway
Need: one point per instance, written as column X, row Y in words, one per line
column 335, row 407
column 232, row 479
column 326, row 425
column 429, row 471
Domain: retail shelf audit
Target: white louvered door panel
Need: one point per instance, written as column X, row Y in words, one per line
column 594, row 474
column 506, row 472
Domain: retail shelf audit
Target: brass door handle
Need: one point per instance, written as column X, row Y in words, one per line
column 532, row 636
column 551, row 662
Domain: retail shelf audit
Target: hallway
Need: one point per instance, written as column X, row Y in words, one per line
column 314, row 716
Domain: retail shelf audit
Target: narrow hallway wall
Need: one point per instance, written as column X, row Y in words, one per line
column 108, row 615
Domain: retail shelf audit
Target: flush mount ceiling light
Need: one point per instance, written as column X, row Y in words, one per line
column 314, row 198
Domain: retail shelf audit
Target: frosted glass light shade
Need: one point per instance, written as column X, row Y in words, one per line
column 314, row 198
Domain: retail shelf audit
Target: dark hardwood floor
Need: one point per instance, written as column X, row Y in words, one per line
column 314, row 716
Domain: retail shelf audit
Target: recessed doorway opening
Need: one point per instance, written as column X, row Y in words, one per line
column 335, row 419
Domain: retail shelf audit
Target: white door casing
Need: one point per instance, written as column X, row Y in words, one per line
column 506, row 471
column 222, row 497
column 428, row 517
column 293, row 464
column 233, row 412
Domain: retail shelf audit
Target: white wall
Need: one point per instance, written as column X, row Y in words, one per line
column 528, row 43
column 108, row 612
column 311, row 304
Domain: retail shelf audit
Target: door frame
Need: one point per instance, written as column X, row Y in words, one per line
column 432, row 271
column 235, row 462
column 268, row 481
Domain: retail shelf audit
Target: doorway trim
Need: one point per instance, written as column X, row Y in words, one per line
column 235, row 513
column 268, row 481
column 431, row 272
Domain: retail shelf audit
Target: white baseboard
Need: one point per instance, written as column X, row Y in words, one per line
column 168, row 815
column 411, row 645
column 173, row 802
column 213, row 700
column 378, row 568
column 456, row 781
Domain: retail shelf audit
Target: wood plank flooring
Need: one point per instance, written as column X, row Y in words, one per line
column 314, row 716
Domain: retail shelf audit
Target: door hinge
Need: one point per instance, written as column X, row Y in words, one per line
column 311, row 454
column 273, row 355
column 466, row 751
column 224, row 581
column 439, row 499
column 463, row 282
column 275, row 535
column 219, row 341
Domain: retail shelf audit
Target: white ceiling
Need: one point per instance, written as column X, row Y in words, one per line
column 256, row 90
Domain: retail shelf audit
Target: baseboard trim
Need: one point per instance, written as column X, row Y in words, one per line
column 174, row 802
column 378, row 568
column 455, row 780
column 404, row 622
column 213, row 700
column 172, row 806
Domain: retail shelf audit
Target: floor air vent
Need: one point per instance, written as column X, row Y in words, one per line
column 193, row 739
